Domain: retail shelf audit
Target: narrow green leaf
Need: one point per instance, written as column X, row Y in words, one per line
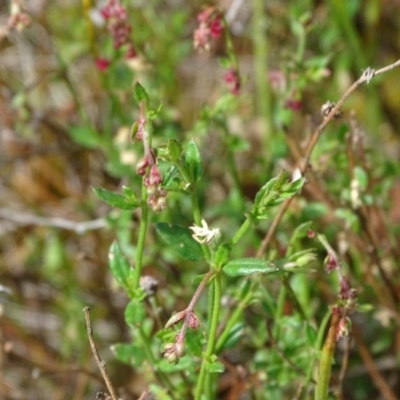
column 135, row 313
column 181, row 240
column 266, row 188
column 193, row 161
column 300, row 232
column 291, row 188
column 116, row 199
column 134, row 130
column 140, row 94
column 119, row 265
column 247, row 266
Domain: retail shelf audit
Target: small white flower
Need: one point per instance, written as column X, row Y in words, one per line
column 296, row 175
column 203, row 234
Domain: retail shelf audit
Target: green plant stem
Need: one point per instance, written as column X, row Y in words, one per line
column 317, row 347
column 212, row 333
column 325, row 365
column 242, row 230
column 137, row 272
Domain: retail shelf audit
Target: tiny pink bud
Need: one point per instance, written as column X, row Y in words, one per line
column 141, row 166
column 232, row 79
column 331, row 263
column 294, row 105
column 310, row 234
column 102, row 64
column 216, row 27
column 346, row 291
column 131, row 52
column 179, row 316
column 160, row 205
column 155, row 176
column 343, row 328
column 193, row 321
column 180, row 349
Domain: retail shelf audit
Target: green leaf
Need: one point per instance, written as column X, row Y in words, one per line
column 235, row 334
column 140, row 94
column 247, row 266
column 222, row 254
column 180, row 239
column 174, row 150
column 134, row 130
column 119, row 265
column 300, row 232
column 130, row 195
column 193, row 162
column 85, row 136
column 184, row 364
column 135, row 313
column 116, row 199
column 274, row 192
column 194, row 341
column 129, row 354
column 361, row 177
column 291, row 188
column 311, row 335
column 297, row 262
column 264, row 191
column 215, row 367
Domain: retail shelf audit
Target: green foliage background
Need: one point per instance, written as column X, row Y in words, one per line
column 65, row 129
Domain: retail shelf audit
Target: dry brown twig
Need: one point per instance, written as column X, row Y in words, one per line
column 100, row 363
column 366, row 76
column 56, row 222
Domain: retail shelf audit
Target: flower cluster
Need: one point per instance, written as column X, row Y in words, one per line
column 174, row 351
column 116, row 18
column 347, row 294
column 148, row 168
column 331, row 262
column 232, row 79
column 210, row 28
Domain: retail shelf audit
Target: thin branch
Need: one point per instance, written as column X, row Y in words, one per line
column 100, row 363
column 343, row 369
column 56, row 222
column 371, row 367
column 366, row 76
